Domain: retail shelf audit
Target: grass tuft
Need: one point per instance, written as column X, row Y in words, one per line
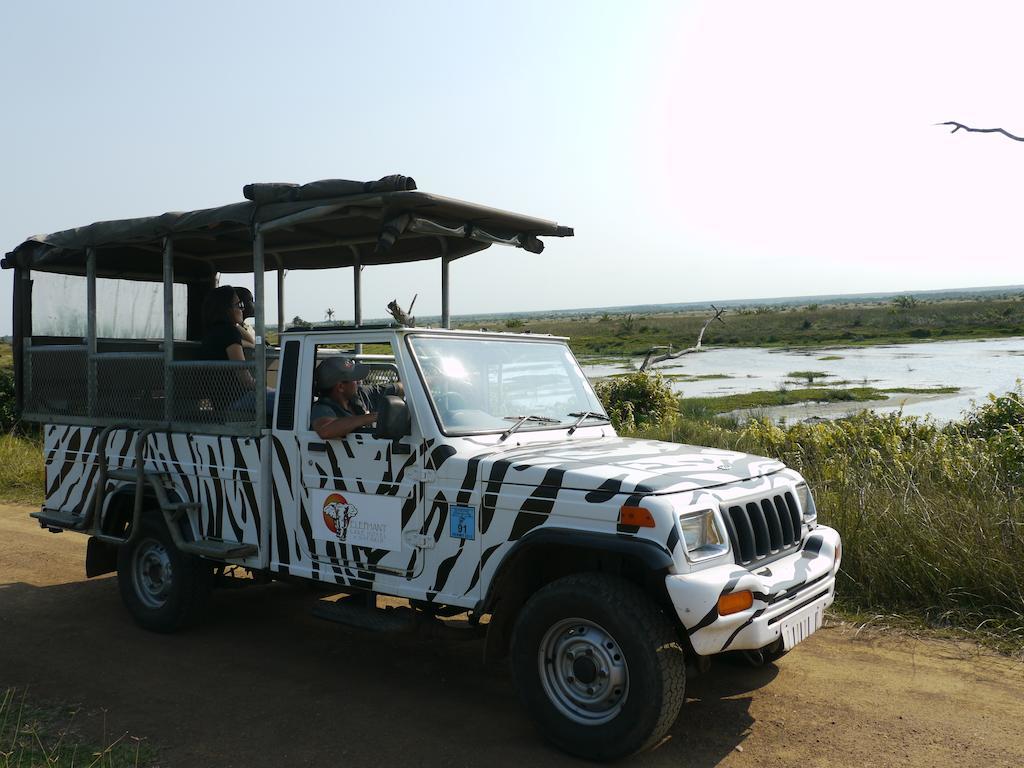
column 34, row 734
column 786, row 396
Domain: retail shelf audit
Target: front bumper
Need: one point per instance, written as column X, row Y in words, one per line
column 793, row 586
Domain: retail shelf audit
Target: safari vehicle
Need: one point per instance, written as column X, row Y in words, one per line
column 496, row 487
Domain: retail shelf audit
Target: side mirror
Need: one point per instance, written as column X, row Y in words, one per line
column 393, row 420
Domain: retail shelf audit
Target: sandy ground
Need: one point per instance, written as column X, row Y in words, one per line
column 265, row 684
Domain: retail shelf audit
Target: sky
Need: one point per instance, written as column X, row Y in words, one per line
column 701, row 150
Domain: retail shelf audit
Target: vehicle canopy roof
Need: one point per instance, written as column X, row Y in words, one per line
column 320, row 225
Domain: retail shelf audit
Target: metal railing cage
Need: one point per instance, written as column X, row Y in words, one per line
column 210, row 397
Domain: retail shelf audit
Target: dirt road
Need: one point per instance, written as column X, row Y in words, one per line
column 265, row 684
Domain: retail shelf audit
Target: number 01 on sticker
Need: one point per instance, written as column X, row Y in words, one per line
column 462, row 521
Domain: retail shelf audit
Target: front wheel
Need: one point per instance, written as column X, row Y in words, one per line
column 163, row 588
column 598, row 665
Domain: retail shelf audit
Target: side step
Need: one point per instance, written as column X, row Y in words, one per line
column 56, row 520
column 219, row 550
column 353, row 612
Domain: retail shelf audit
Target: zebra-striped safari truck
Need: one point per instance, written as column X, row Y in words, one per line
column 495, row 487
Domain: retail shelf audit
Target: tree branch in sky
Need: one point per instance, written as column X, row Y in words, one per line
column 958, row 126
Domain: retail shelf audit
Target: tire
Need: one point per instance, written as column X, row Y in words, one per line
column 163, row 588
column 598, row 665
column 773, row 652
column 758, row 658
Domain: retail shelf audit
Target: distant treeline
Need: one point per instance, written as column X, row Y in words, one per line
column 900, row 319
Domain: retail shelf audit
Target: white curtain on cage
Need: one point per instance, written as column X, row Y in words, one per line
column 125, row 309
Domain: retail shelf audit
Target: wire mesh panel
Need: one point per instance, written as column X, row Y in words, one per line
column 213, row 396
column 56, row 381
column 381, row 374
column 213, row 392
column 130, row 387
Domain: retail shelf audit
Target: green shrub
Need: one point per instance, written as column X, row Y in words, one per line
column 8, row 415
column 1000, row 421
column 637, row 400
column 999, row 414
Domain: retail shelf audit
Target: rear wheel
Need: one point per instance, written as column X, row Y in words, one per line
column 164, row 588
column 598, row 665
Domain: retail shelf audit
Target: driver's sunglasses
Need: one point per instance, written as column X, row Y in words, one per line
column 240, row 305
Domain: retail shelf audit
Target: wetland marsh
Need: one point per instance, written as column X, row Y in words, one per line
column 903, row 373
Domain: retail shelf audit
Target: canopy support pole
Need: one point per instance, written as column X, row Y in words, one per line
column 280, row 295
column 90, row 341
column 446, row 310
column 357, row 293
column 22, row 334
column 168, row 329
column 260, row 356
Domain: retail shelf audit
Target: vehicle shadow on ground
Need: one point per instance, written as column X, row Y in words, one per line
column 263, row 682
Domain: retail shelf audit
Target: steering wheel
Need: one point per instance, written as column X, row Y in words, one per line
column 451, row 401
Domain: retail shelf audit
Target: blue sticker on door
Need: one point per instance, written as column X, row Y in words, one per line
column 462, row 521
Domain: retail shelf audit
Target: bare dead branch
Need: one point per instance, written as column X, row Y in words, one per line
column 652, row 359
column 401, row 316
column 958, row 126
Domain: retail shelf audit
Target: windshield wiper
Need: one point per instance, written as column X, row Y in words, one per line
column 581, row 416
column 520, row 420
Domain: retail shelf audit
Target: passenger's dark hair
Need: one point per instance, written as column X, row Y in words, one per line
column 245, row 296
column 218, row 305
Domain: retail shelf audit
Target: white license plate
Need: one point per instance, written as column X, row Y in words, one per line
column 801, row 625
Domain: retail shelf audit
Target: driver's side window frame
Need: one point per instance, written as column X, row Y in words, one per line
column 348, row 347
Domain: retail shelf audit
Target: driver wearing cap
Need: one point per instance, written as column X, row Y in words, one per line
column 343, row 404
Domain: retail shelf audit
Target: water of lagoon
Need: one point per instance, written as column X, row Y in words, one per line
column 978, row 367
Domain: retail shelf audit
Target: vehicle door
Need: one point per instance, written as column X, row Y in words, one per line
column 360, row 494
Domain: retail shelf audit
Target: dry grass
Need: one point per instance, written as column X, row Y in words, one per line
column 33, row 734
column 21, row 469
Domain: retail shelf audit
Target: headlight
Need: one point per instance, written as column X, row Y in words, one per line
column 702, row 536
column 807, row 508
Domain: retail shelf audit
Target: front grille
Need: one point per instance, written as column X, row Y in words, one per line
column 762, row 528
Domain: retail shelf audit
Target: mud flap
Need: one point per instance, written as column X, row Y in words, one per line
column 100, row 557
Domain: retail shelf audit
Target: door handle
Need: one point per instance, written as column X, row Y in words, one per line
column 318, row 447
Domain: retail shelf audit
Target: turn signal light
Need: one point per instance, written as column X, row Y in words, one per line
column 636, row 516
column 735, row 602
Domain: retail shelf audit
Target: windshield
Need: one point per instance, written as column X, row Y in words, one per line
column 488, row 385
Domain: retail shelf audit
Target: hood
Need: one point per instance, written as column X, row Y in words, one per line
column 609, row 466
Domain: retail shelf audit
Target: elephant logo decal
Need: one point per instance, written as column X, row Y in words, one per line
column 338, row 514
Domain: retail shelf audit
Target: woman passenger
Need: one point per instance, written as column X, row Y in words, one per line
column 224, row 339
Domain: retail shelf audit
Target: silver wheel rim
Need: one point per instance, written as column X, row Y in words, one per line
column 152, row 575
column 583, row 671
